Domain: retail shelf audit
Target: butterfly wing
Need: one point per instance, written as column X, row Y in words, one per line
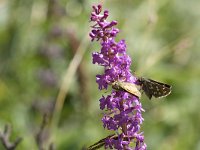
column 154, row 88
column 160, row 89
column 160, row 83
column 128, row 87
column 131, row 88
column 146, row 87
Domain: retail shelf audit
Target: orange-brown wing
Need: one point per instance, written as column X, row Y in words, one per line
column 131, row 88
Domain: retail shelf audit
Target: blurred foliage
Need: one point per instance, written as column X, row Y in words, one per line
column 38, row 40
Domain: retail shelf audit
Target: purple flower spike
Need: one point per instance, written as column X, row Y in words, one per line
column 124, row 111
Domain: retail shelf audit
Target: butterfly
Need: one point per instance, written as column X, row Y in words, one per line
column 127, row 86
column 101, row 142
column 154, row 88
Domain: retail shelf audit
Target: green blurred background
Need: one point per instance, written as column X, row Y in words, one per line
column 38, row 41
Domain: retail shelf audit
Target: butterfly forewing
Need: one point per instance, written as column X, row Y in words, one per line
column 147, row 89
column 154, row 88
column 128, row 87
